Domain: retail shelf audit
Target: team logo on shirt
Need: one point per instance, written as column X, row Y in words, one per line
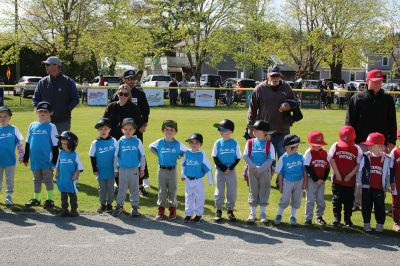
column 5, row 135
column 376, row 169
column 106, row 149
column 294, row 164
column 65, row 160
column 345, row 155
column 192, row 163
column 125, row 148
column 168, row 150
column 319, row 163
column 39, row 131
column 227, row 150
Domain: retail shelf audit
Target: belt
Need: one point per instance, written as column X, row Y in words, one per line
column 193, row 177
column 167, row 167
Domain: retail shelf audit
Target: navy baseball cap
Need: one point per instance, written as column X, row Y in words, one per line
column 129, row 121
column 263, row 126
column 103, row 122
column 129, row 73
column 274, row 71
column 52, row 60
column 195, row 136
column 291, row 140
column 225, row 124
column 44, row 106
column 5, row 109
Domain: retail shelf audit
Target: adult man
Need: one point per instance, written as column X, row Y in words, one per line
column 60, row 91
column 372, row 111
column 184, row 94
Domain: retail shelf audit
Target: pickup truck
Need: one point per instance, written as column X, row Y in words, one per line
column 156, row 81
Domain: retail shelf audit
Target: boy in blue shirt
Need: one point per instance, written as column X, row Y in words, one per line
column 292, row 178
column 10, row 139
column 259, row 155
column 130, row 158
column 42, row 149
column 103, row 153
column 168, row 150
column 195, row 165
column 226, row 155
column 68, row 167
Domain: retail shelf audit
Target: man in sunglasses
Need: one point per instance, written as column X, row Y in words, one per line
column 60, row 91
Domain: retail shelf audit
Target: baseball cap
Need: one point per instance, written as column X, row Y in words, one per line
column 291, row 140
column 316, row 138
column 52, row 60
column 375, row 75
column 375, row 138
column 129, row 73
column 5, row 109
column 262, row 125
column 195, row 136
column 43, row 106
column 129, row 121
column 103, row 122
column 274, row 70
column 225, row 124
column 347, row 135
column 169, row 123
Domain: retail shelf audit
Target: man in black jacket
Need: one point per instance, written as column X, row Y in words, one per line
column 60, row 91
column 372, row 111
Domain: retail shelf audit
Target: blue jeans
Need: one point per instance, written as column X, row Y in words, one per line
column 277, row 141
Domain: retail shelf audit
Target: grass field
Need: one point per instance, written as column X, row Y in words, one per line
column 189, row 120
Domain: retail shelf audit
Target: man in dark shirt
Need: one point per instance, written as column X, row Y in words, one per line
column 60, row 91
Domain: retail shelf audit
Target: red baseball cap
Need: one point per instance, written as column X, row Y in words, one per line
column 347, row 135
column 375, row 75
column 375, row 139
column 316, row 138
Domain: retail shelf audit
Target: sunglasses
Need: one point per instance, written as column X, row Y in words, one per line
column 125, row 94
column 222, row 129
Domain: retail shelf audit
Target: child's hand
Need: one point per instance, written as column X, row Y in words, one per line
column 281, row 188
column 338, row 177
column 182, row 178
column 116, row 174
column 96, row 173
column 227, row 171
column 392, row 187
column 304, row 185
column 74, row 177
column 320, row 182
column 141, row 173
column 253, row 170
column 347, row 178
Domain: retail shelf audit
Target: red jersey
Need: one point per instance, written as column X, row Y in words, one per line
column 318, row 160
column 346, row 159
column 375, row 173
column 396, row 165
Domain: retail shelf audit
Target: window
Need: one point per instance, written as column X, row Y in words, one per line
column 385, row 61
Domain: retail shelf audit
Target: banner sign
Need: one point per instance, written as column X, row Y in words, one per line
column 154, row 97
column 205, row 98
column 97, row 97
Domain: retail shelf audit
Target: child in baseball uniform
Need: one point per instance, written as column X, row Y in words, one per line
column 195, row 165
column 68, row 167
column 292, row 178
column 259, row 154
column 344, row 157
column 374, row 178
column 42, row 149
column 103, row 153
column 226, row 155
column 395, row 184
column 317, row 167
column 10, row 139
column 131, row 164
column 168, row 151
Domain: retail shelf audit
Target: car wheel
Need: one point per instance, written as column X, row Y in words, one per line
column 24, row 94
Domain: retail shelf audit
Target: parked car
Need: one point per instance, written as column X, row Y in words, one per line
column 108, row 81
column 26, row 91
column 237, row 83
column 209, row 80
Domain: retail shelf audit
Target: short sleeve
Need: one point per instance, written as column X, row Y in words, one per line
column 154, row 145
column 307, row 157
column 332, row 151
column 92, row 150
column 246, row 151
column 206, row 162
column 18, row 134
column 79, row 163
column 238, row 153
column 214, row 152
column 272, row 152
column 140, row 147
column 53, row 135
column 182, row 148
column 28, row 134
column 391, row 156
column 279, row 167
column 116, row 146
column 359, row 154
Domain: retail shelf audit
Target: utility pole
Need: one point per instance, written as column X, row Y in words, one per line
column 17, row 63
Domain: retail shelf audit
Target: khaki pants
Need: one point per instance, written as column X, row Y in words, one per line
column 315, row 193
column 43, row 176
column 167, row 187
column 128, row 179
column 259, row 188
column 292, row 194
column 9, row 171
column 230, row 180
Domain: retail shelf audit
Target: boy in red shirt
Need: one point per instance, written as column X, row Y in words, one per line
column 395, row 184
column 317, row 167
column 344, row 157
column 373, row 176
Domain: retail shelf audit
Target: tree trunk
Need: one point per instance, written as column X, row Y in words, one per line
column 93, row 63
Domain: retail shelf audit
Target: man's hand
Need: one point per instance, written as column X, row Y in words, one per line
column 142, row 129
column 141, row 173
column 284, row 107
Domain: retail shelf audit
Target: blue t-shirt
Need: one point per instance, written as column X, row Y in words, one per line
column 130, row 152
column 168, row 151
column 227, row 151
column 195, row 164
column 10, row 136
column 291, row 167
column 105, row 150
column 41, row 138
column 258, row 154
column 68, row 163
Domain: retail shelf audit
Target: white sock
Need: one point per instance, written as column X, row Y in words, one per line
column 280, row 211
column 253, row 210
column 262, row 209
column 293, row 213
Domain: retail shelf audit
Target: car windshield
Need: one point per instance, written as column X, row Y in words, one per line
column 161, row 78
column 112, row 79
column 214, row 79
column 34, row 79
column 248, row 83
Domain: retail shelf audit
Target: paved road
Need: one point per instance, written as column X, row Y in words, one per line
column 41, row 239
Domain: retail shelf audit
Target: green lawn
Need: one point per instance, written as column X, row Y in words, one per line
column 189, row 120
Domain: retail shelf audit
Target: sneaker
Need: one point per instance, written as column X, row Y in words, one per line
column 321, row 221
column 118, row 210
column 172, row 213
column 32, row 202
column 308, row 222
column 102, row 208
column 348, row 223
column 379, row 228
column 396, row 227
column 218, row 216
column 109, row 208
column 187, row 219
column 278, row 219
column 146, row 183
column 367, row 228
column 8, row 201
column 252, row 218
column 64, row 213
column 143, row 192
column 336, row 222
column 263, row 217
column 160, row 214
column 73, row 213
column 48, row 204
column 231, row 216
column 292, row 220
column 134, row 211
column 196, row 219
